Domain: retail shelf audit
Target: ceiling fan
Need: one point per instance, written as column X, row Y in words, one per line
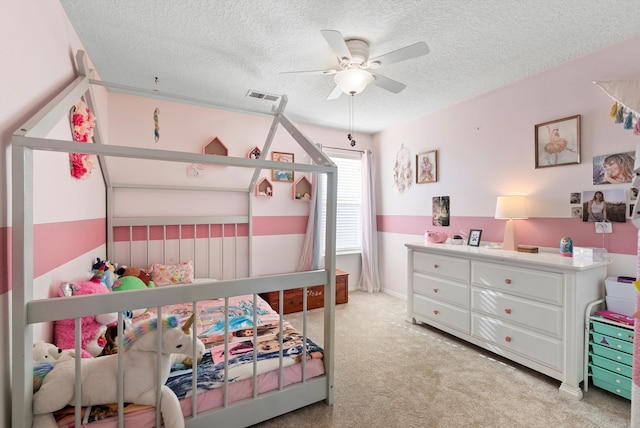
column 356, row 69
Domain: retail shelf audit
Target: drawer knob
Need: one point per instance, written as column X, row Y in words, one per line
column 507, row 311
column 435, row 290
column 507, row 281
column 436, row 266
column 507, row 339
column 435, row 311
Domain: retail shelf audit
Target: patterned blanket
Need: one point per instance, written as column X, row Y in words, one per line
column 239, row 352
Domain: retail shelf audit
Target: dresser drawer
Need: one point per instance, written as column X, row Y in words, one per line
column 444, row 313
column 612, row 354
column 441, row 289
column 540, row 316
column 539, row 285
column 448, row 267
column 541, row 348
column 611, row 365
column 612, row 342
column 612, row 331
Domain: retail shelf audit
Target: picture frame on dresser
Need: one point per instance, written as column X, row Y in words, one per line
column 474, row 237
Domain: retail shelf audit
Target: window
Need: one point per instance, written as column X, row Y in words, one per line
column 349, row 201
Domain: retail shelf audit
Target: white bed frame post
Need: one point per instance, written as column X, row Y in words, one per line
column 22, row 292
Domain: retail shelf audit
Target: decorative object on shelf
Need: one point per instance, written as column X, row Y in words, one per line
column 512, row 207
column 254, row 153
column 402, row 174
column 264, row 188
column 440, row 211
column 282, row 175
column 457, row 240
column 614, row 168
column 302, row 189
column 82, row 123
column 558, row 142
column 566, row 246
column 474, row 237
column 527, row 249
column 436, row 237
column 427, row 167
column 156, row 126
column 216, row 147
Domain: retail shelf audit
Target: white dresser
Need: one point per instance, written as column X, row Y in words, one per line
column 529, row 308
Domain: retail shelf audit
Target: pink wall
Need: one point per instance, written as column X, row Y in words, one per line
column 486, row 149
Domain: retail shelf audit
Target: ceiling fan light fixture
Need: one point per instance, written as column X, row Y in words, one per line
column 353, row 80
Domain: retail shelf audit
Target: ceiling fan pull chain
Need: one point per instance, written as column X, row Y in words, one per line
column 350, row 134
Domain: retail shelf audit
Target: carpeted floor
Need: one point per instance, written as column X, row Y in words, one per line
column 390, row 373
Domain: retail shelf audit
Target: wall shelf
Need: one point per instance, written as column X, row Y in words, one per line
column 302, row 189
column 254, row 153
column 216, row 147
column 264, row 188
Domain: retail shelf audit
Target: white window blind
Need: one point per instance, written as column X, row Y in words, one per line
column 349, row 201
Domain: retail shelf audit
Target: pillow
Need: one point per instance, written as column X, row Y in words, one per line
column 171, row 274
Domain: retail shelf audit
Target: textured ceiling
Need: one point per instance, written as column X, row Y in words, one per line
column 217, row 51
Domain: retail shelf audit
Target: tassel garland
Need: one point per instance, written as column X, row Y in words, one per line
column 614, row 110
column 628, row 122
column 620, row 115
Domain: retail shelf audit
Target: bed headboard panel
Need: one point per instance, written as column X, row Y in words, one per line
column 217, row 245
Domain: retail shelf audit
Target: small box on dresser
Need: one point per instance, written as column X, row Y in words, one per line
column 292, row 299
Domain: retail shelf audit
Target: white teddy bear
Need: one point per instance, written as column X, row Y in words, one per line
column 43, row 351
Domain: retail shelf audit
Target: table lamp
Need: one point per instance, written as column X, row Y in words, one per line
column 511, row 208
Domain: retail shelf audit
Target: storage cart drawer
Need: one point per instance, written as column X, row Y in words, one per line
column 612, row 354
column 613, row 331
column 612, row 342
column 611, row 365
column 616, row 389
column 613, row 379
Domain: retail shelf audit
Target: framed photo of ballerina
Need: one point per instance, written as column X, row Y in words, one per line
column 427, row 167
column 557, row 142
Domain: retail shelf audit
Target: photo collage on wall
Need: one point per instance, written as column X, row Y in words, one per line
column 615, row 205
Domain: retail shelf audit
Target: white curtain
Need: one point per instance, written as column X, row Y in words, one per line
column 370, row 278
column 310, row 257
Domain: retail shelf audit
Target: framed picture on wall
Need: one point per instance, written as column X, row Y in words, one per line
column 557, row 142
column 474, row 237
column 427, row 167
column 282, row 175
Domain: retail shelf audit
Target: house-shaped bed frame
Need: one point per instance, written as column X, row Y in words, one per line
column 27, row 311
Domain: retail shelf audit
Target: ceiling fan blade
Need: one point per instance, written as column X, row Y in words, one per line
column 388, row 84
column 403, row 54
column 335, row 94
column 337, row 44
column 310, row 72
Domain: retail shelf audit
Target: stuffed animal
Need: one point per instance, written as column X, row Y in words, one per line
column 45, row 357
column 93, row 327
column 137, row 272
column 104, row 271
column 125, row 283
column 43, row 351
column 99, row 375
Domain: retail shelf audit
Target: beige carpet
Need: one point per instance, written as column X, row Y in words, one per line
column 390, row 373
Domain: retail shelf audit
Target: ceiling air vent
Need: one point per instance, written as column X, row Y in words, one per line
column 263, row 96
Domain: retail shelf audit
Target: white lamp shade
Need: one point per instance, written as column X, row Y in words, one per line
column 511, row 207
column 353, row 80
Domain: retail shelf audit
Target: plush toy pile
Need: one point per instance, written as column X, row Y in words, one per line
column 93, row 327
